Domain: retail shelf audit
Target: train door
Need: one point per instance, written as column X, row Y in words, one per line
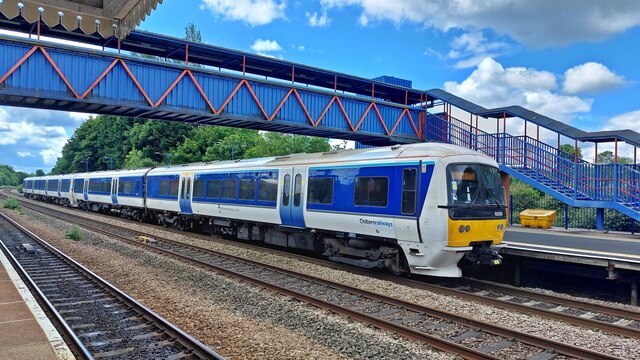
column 292, row 199
column 114, row 191
column 186, row 180
column 85, row 190
column 59, row 186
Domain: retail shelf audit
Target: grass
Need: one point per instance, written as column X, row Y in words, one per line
column 12, row 204
column 74, row 233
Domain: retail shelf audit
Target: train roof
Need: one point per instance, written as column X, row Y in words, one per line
column 418, row 150
column 430, row 149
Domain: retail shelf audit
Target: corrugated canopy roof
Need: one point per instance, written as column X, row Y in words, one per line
column 96, row 16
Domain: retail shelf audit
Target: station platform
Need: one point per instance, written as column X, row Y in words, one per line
column 583, row 253
column 611, row 250
column 25, row 330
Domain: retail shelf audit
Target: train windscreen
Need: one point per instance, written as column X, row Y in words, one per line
column 475, row 192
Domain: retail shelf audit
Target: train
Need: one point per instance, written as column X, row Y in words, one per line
column 425, row 209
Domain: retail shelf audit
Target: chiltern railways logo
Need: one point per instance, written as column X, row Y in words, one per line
column 376, row 222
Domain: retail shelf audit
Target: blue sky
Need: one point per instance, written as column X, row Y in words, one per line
column 574, row 60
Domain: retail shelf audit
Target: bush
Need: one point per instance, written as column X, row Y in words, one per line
column 11, row 203
column 20, row 189
column 74, row 233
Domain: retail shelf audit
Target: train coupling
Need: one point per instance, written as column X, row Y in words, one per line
column 483, row 255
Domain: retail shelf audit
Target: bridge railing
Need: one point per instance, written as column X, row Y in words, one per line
column 573, row 178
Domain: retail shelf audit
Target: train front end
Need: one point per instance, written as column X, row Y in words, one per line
column 464, row 216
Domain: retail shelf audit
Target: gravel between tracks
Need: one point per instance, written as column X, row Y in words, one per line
column 237, row 320
column 611, row 344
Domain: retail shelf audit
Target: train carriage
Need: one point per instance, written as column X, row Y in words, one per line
column 417, row 208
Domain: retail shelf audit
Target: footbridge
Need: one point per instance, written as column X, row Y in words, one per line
column 204, row 84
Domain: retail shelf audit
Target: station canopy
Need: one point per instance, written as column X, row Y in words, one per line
column 105, row 18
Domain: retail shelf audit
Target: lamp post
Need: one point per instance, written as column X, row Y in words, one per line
column 168, row 155
column 86, row 165
column 110, row 161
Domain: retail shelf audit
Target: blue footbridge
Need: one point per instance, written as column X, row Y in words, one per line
column 204, row 84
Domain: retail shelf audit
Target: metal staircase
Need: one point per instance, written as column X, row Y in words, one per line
column 567, row 178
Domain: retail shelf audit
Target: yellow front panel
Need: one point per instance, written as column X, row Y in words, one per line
column 479, row 230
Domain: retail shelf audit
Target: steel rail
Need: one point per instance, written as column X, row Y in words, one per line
column 442, row 344
column 589, row 323
column 181, row 336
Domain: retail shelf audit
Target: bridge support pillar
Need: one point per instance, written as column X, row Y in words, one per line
column 600, row 219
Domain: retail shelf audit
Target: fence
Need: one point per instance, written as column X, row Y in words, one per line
column 570, row 217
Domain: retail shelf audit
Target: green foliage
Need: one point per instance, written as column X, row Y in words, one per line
column 568, row 152
column 10, row 177
column 39, row 172
column 74, row 233
column 277, row 144
column 608, row 157
column 154, row 137
column 20, row 189
column 135, row 159
column 11, row 203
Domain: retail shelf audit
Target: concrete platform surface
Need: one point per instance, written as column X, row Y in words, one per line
column 620, row 246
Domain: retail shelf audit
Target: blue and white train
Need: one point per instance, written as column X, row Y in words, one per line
column 417, row 208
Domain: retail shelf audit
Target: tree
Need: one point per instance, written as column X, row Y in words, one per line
column 192, row 33
column 155, row 137
column 39, row 172
column 278, row 144
column 95, row 141
column 567, row 151
column 135, row 159
column 607, row 157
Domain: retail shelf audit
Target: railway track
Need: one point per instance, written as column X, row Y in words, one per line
column 585, row 314
column 96, row 319
column 442, row 330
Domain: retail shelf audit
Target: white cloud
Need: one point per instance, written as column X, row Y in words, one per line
column 318, row 20
column 26, row 137
column 469, row 49
column 537, row 23
column 80, row 117
column 253, row 12
column 629, row 120
column 264, row 47
column 492, row 85
column 590, row 77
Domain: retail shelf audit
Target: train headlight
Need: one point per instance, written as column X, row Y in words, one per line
column 461, row 229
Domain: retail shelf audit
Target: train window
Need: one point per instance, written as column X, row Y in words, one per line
column 77, row 185
column 198, row 189
column 297, row 190
column 52, row 185
column 286, row 189
column 121, row 186
column 213, row 189
column 188, row 188
column 371, row 191
column 137, row 189
column 320, row 191
column 268, row 190
column 247, row 189
column 408, row 191
column 228, row 189
column 164, row 187
column 173, row 188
